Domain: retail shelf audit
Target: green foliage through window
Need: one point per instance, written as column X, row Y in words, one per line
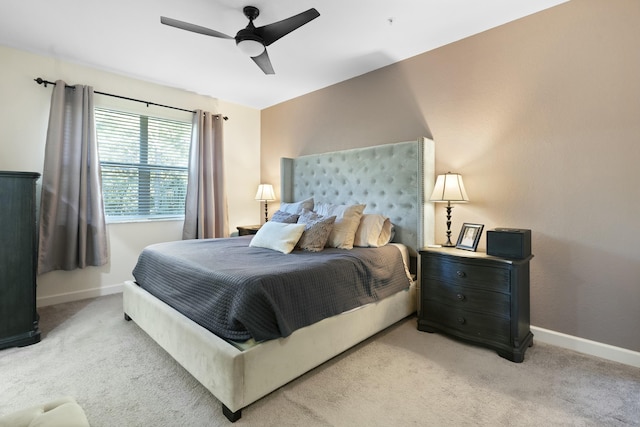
column 144, row 163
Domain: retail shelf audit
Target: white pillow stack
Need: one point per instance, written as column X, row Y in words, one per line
column 352, row 227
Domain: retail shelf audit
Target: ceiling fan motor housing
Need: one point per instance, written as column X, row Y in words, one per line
column 247, row 40
column 251, row 12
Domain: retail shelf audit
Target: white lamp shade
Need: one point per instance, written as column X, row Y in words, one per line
column 449, row 188
column 265, row 193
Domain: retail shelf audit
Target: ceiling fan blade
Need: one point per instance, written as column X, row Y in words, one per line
column 193, row 28
column 264, row 62
column 272, row 32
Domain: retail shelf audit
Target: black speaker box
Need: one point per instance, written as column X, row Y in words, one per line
column 509, row 243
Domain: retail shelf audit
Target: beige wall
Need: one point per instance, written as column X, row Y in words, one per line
column 542, row 118
column 24, row 110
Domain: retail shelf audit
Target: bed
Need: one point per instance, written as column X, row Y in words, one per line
column 390, row 179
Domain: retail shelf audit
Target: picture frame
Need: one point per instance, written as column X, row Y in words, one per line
column 469, row 236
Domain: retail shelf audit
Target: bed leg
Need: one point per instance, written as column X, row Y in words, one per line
column 231, row 416
column 126, row 317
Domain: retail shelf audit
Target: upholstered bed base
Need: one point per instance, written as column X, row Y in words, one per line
column 238, row 378
column 391, row 180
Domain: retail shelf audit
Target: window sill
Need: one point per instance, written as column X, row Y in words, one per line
column 138, row 220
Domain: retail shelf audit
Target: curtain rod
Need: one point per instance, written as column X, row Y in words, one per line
column 41, row 81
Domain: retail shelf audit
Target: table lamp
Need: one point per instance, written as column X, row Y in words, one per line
column 265, row 194
column 449, row 188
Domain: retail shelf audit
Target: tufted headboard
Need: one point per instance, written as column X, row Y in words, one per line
column 390, row 179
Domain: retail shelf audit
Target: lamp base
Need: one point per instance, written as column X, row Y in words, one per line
column 449, row 244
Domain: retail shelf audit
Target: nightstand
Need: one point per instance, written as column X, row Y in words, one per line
column 478, row 298
column 245, row 230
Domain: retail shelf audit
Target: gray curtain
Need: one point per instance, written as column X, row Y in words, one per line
column 72, row 225
column 206, row 204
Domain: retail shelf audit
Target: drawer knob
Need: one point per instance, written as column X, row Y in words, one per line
column 461, row 273
column 460, row 297
column 462, row 320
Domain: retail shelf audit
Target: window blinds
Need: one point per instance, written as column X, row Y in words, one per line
column 144, row 163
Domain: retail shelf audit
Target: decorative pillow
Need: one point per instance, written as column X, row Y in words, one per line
column 278, row 236
column 374, row 231
column 297, row 207
column 346, row 225
column 316, row 231
column 307, row 215
column 285, row 217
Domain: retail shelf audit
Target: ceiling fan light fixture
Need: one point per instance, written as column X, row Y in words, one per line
column 251, row 48
column 250, row 40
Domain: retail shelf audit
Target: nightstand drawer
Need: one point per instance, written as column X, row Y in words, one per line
column 466, row 298
column 466, row 274
column 466, row 324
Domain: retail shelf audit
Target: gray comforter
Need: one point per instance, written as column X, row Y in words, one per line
column 239, row 292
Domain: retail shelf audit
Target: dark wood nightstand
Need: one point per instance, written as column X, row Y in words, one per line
column 476, row 297
column 245, row 230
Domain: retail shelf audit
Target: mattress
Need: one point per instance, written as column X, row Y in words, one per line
column 240, row 292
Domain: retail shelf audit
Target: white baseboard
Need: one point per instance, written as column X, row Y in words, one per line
column 581, row 345
column 592, row 348
column 78, row 295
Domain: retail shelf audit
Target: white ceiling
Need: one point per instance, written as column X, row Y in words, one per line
column 349, row 38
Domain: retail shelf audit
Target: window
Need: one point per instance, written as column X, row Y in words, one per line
column 144, row 163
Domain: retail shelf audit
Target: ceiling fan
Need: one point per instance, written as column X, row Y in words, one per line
column 251, row 40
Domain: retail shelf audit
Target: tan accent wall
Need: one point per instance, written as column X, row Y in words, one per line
column 541, row 116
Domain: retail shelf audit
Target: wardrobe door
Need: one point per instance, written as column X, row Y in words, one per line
column 18, row 316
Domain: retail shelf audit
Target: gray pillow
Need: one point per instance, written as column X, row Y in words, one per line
column 307, row 215
column 316, row 231
column 286, row 217
column 297, row 207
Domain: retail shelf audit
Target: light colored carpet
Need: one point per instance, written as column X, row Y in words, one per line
column 400, row 377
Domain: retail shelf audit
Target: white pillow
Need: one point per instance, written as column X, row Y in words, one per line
column 374, row 231
column 297, row 207
column 278, row 236
column 346, row 225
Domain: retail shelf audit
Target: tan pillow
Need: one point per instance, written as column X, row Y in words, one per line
column 374, row 231
column 346, row 224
